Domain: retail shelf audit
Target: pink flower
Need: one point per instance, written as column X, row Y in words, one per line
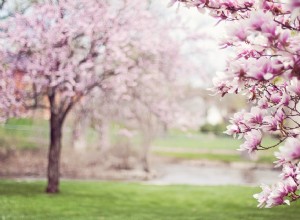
column 279, row 192
column 225, row 84
column 252, row 142
column 284, row 39
column 240, row 31
column 232, row 130
column 237, row 125
column 263, row 197
column 295, row 4
column 285, row 100
column 259, row 20
column 262, row 69
column 276, row 98
column 263, row 103
column 295, row 86
column 256, row 116
column 280, row 116
column 270, row 123
column 289, row 152
column 289, row 170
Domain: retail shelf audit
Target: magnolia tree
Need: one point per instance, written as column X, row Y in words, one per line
column 56, row 53
column 10, row 105
column 265, row 37
column 142, row 110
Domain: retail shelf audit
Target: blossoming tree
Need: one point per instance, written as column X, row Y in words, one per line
column 58, row 52
column 148, row 102
column 265, row 37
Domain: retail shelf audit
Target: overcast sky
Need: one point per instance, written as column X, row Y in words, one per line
column 213, row 58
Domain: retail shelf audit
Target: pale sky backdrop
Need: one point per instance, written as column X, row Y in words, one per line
column 212, row 59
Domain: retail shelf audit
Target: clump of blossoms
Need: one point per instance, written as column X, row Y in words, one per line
column 265, row 37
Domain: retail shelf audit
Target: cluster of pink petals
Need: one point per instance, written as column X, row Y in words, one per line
column 265, row 36
column 282, row 192
column 224, row 9
column 71, row 47
column 10, row 103
column 290, row 152
column 243, row 123
column 224, row 85
column 252, row 141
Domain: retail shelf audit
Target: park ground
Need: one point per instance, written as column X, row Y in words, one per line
column 24, row 145
column 137, row 196
column 132, row 201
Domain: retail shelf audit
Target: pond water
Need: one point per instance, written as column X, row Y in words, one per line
column 213, row 175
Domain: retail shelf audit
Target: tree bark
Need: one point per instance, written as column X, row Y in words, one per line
column 104, row 136
column 54, row 153
column 145, row 153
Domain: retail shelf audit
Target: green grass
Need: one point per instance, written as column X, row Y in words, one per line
column 23, row 133
column 197, row 141
column 128, row 201
column 265, row 158
column 189, row 143
column 194, row 156
column 204, row 141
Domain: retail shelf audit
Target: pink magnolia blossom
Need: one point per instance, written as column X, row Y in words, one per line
column 276, row 194
column 295, row 86
column 263, row 196
column 256, row 116
column 295, row 4
column 224, row 85
column 252, row 141
column 280, row 191
column 266, row 66
column 289, row 152
column 270, row 124
column 290, row 170
column 263, row 103
column 232, row 130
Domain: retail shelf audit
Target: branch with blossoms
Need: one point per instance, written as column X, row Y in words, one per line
column 266, row 69
column 225, row 10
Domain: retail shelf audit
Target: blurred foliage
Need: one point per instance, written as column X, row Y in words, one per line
column 217, row 129
column 31, row 133
column 24, row 133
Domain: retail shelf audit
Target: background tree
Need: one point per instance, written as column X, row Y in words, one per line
column 150, row 102
column 64, row 50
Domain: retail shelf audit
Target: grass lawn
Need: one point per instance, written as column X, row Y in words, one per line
column 198, row 141
column 129, row 201
column 204, row 141
column 263, row 158
column 24, row 133
column 211, row 143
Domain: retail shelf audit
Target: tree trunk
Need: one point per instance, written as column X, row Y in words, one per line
column 54, row 153
column 145, row 163
column 145, row 153
column 104, row 135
